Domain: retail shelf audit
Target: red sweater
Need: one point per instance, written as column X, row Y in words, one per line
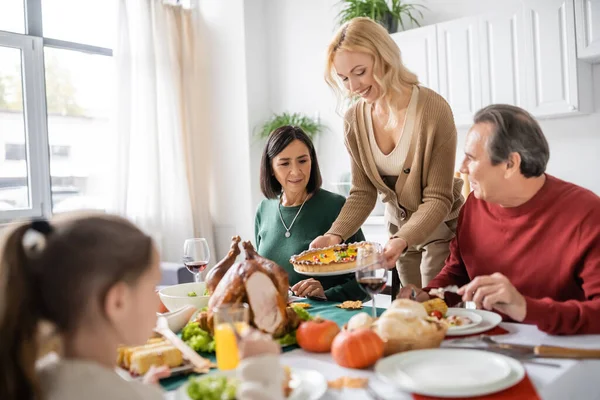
column 549, row 248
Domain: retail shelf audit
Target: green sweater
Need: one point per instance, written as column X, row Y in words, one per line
column 314, row 220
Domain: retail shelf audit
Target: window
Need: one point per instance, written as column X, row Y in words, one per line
column 56, row 98
column 14, row 152
column 87, row 21
column 12, row 16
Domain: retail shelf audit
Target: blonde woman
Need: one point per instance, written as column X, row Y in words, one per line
column 401, row 138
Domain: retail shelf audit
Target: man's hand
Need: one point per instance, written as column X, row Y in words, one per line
column 407, row 291
column 309, row 287
column 496, row 292
column 325, row 241
column 393, row 250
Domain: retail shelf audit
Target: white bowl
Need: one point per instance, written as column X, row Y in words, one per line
column 178, row 319
column 176, row 296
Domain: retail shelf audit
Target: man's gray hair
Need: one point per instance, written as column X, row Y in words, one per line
column 515, row 131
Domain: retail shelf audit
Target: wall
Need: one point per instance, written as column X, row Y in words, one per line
column 257, row 71
column 223, row 23
column 299, row 32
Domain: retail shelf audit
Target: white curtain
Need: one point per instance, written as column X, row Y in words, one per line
column 155, row 177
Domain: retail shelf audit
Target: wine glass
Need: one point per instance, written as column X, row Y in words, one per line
column 372, row 273
column 196, row 255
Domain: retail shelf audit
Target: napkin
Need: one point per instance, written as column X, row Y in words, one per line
column 523, row 390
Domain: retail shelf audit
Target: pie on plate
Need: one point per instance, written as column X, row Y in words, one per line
column 337, row 258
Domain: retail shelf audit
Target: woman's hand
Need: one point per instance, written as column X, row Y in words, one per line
column 256, row 343
column 154, row 374
column 309, row 287
column 393, row 250
column 325, row 241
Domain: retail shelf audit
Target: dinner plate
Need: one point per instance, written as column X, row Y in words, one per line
column 183, row 369
column 306, row 384
column 329, row 273
column 475, row 318
column 450, row 373
column 489, row 320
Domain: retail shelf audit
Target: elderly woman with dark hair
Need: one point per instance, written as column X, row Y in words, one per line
column 296, row 210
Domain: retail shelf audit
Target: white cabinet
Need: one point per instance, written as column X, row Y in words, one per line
column 459, row 63
column 418, row 49
column 502, row 56
column 556, row 83
column 587, row 18
column 525, row 55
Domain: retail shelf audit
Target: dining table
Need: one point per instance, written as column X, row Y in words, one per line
column 567, row 379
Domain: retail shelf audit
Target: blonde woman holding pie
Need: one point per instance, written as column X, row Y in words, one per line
column 297, row 210
column 401, row 139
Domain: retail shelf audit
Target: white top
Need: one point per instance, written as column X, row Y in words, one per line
column 392, row 164
column 78, row 379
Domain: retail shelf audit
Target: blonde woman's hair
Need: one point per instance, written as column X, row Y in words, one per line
column 367, row 36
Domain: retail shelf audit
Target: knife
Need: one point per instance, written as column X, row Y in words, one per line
column 550, row 351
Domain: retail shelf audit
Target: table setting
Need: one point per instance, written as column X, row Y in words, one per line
column 410, row 350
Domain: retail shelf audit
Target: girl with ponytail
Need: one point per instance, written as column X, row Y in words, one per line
column 92, row 279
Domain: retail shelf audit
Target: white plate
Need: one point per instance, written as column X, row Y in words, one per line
column 330, row 273
column 450, row 373
column 181, row 370
column 306, row 384
column 461, row 312
column 489, row 320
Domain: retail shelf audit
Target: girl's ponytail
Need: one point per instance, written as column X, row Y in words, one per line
column 18, row 318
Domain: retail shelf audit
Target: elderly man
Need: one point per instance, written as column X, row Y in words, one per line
column 527, row 243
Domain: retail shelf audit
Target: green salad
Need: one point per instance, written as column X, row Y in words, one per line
column 290, row 338
column 198, row 339
column 212, row 388
column 192, row 294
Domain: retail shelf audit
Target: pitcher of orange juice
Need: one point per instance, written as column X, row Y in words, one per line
column 226, row 344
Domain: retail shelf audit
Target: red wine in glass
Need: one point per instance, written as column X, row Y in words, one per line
column 196, row 256
column 195, row 267
column 371, row 274
column 373, row 285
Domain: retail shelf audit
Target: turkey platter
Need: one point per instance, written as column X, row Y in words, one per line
column 257, row 281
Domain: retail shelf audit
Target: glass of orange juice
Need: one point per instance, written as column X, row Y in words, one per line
column 226, row 344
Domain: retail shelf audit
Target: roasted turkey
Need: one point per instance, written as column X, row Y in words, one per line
column 257, row 281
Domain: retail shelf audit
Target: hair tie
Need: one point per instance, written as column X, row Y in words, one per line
column 34, row 240
column 42, row 226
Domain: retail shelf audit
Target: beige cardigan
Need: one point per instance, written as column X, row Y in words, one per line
column 426, row 190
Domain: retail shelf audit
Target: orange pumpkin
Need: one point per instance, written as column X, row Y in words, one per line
column 360, row 348
column 317, row 335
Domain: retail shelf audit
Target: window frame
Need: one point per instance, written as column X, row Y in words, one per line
column 32, row 45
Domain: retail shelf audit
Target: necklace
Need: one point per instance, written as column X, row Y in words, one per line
column 287, row 230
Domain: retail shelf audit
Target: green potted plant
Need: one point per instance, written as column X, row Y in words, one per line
column 310, row 126
column 388, row 13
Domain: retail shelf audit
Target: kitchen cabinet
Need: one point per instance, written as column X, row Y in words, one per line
column 587, row 21
column 459, row 67
column 525, row 56
column 557, row 84
column 502, row 57
column 418, row 49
